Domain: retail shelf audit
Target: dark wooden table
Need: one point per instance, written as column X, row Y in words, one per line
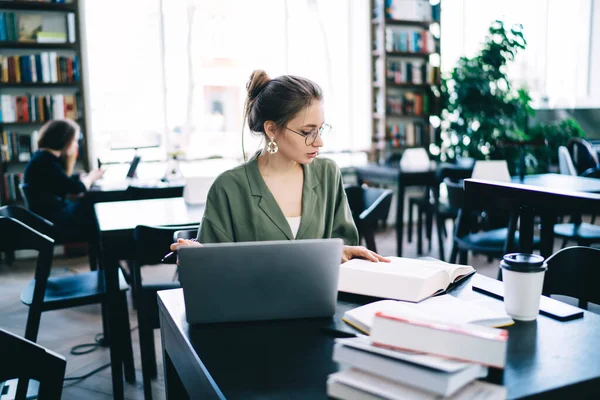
column 291, row 359
column 567, row 183
column 528, row 200
column 117, row 220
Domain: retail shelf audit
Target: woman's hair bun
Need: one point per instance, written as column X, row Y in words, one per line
column 257, row 82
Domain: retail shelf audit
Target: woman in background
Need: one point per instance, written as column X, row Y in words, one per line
column 51, row 187
column 283, row 192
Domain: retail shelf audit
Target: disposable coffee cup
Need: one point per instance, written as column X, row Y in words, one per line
column 523, row 276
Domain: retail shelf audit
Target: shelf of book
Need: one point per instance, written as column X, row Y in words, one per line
column 404, row 74
column 36, row 6
column 35, row 45
column 41, row 77
column 41, row 85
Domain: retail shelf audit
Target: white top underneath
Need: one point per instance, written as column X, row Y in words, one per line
column 294, row 224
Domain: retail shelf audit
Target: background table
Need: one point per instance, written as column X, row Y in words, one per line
column 117, row 220
column 291, row 359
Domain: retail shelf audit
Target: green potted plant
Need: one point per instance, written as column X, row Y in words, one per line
column 479, row 105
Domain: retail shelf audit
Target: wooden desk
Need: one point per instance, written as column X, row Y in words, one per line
column 567, row 183
column 529, row 200
column 117, row 220
column 291, row 359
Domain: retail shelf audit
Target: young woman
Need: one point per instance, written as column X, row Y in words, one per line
column 284, row 191
column 49, row 181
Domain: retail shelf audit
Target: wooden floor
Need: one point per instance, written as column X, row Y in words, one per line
column 61, row 330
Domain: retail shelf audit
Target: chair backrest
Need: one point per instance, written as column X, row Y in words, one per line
column 24, row 360
column 574, row 272
column 29, row 218
column 565, row 162
column 143, row 193
column 16, row 235
column 377, row 203
column 456, row 193
column 152, row 242
column 591, row 173
column 583, row 154
column 187, row 234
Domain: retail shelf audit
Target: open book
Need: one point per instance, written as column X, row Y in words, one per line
column 445, row 308
column 402, row 279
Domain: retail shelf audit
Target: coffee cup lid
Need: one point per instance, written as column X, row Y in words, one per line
column 523, row 262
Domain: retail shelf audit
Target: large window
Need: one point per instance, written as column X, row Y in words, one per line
column 563, row 45
column 182, row 75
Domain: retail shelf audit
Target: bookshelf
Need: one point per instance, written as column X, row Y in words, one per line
column 40, row 79
column 405, row 75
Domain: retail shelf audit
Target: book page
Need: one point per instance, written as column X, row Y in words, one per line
column 400, row 266
column 444, row 308
column 453, row 270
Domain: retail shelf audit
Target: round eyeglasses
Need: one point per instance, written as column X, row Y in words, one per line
column 313, row 134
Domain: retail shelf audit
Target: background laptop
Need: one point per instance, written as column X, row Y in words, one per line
column 255, row 281
column 120, row 184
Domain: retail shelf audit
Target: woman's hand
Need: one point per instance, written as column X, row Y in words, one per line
column 184, row 243
column 91, row 177
column 350, row 252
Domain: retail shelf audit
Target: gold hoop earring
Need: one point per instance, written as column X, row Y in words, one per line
column 272, row 147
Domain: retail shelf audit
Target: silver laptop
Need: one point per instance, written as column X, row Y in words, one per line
column 255, row 281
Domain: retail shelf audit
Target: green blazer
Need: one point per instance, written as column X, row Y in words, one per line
column 241, row 208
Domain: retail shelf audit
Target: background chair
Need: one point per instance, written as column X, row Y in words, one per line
column 23, row 230
column 565, row 162
column 468, row 235
column 583, row 154
column 574, row 272
column 34, row 201
column 368, row 205
column 151, row 244
column 24, row 360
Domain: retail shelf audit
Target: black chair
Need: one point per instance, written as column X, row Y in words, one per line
column 187, row 234
column 151, row 244
column 33, row 202
column 467, row 234
column 24, row 360
column 24, row 230
column 368, row 206
column 583, row 154
column 574, row 272
column 143, row 193
column 434, row 208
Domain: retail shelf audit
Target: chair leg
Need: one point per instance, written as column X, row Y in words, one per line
column 93, row 255
column 147, row 350
column 370, row 240
column 463, row 257
column 429, row 225
column 33, row 323
column 410, row 221
column 105, row 330
column 128, row 364
column 453, row 253
column 419, row 234
column 439, row 224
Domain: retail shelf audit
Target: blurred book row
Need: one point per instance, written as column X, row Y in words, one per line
column 45, row 67
column 41, row 108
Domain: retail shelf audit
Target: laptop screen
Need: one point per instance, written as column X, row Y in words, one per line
column 133, row 166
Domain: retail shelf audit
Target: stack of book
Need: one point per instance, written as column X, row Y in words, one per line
column 429, row 348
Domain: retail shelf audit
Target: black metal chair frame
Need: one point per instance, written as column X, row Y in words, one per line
column 23, row 359
column 151, row 244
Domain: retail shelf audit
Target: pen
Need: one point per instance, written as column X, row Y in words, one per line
column 172, row 256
